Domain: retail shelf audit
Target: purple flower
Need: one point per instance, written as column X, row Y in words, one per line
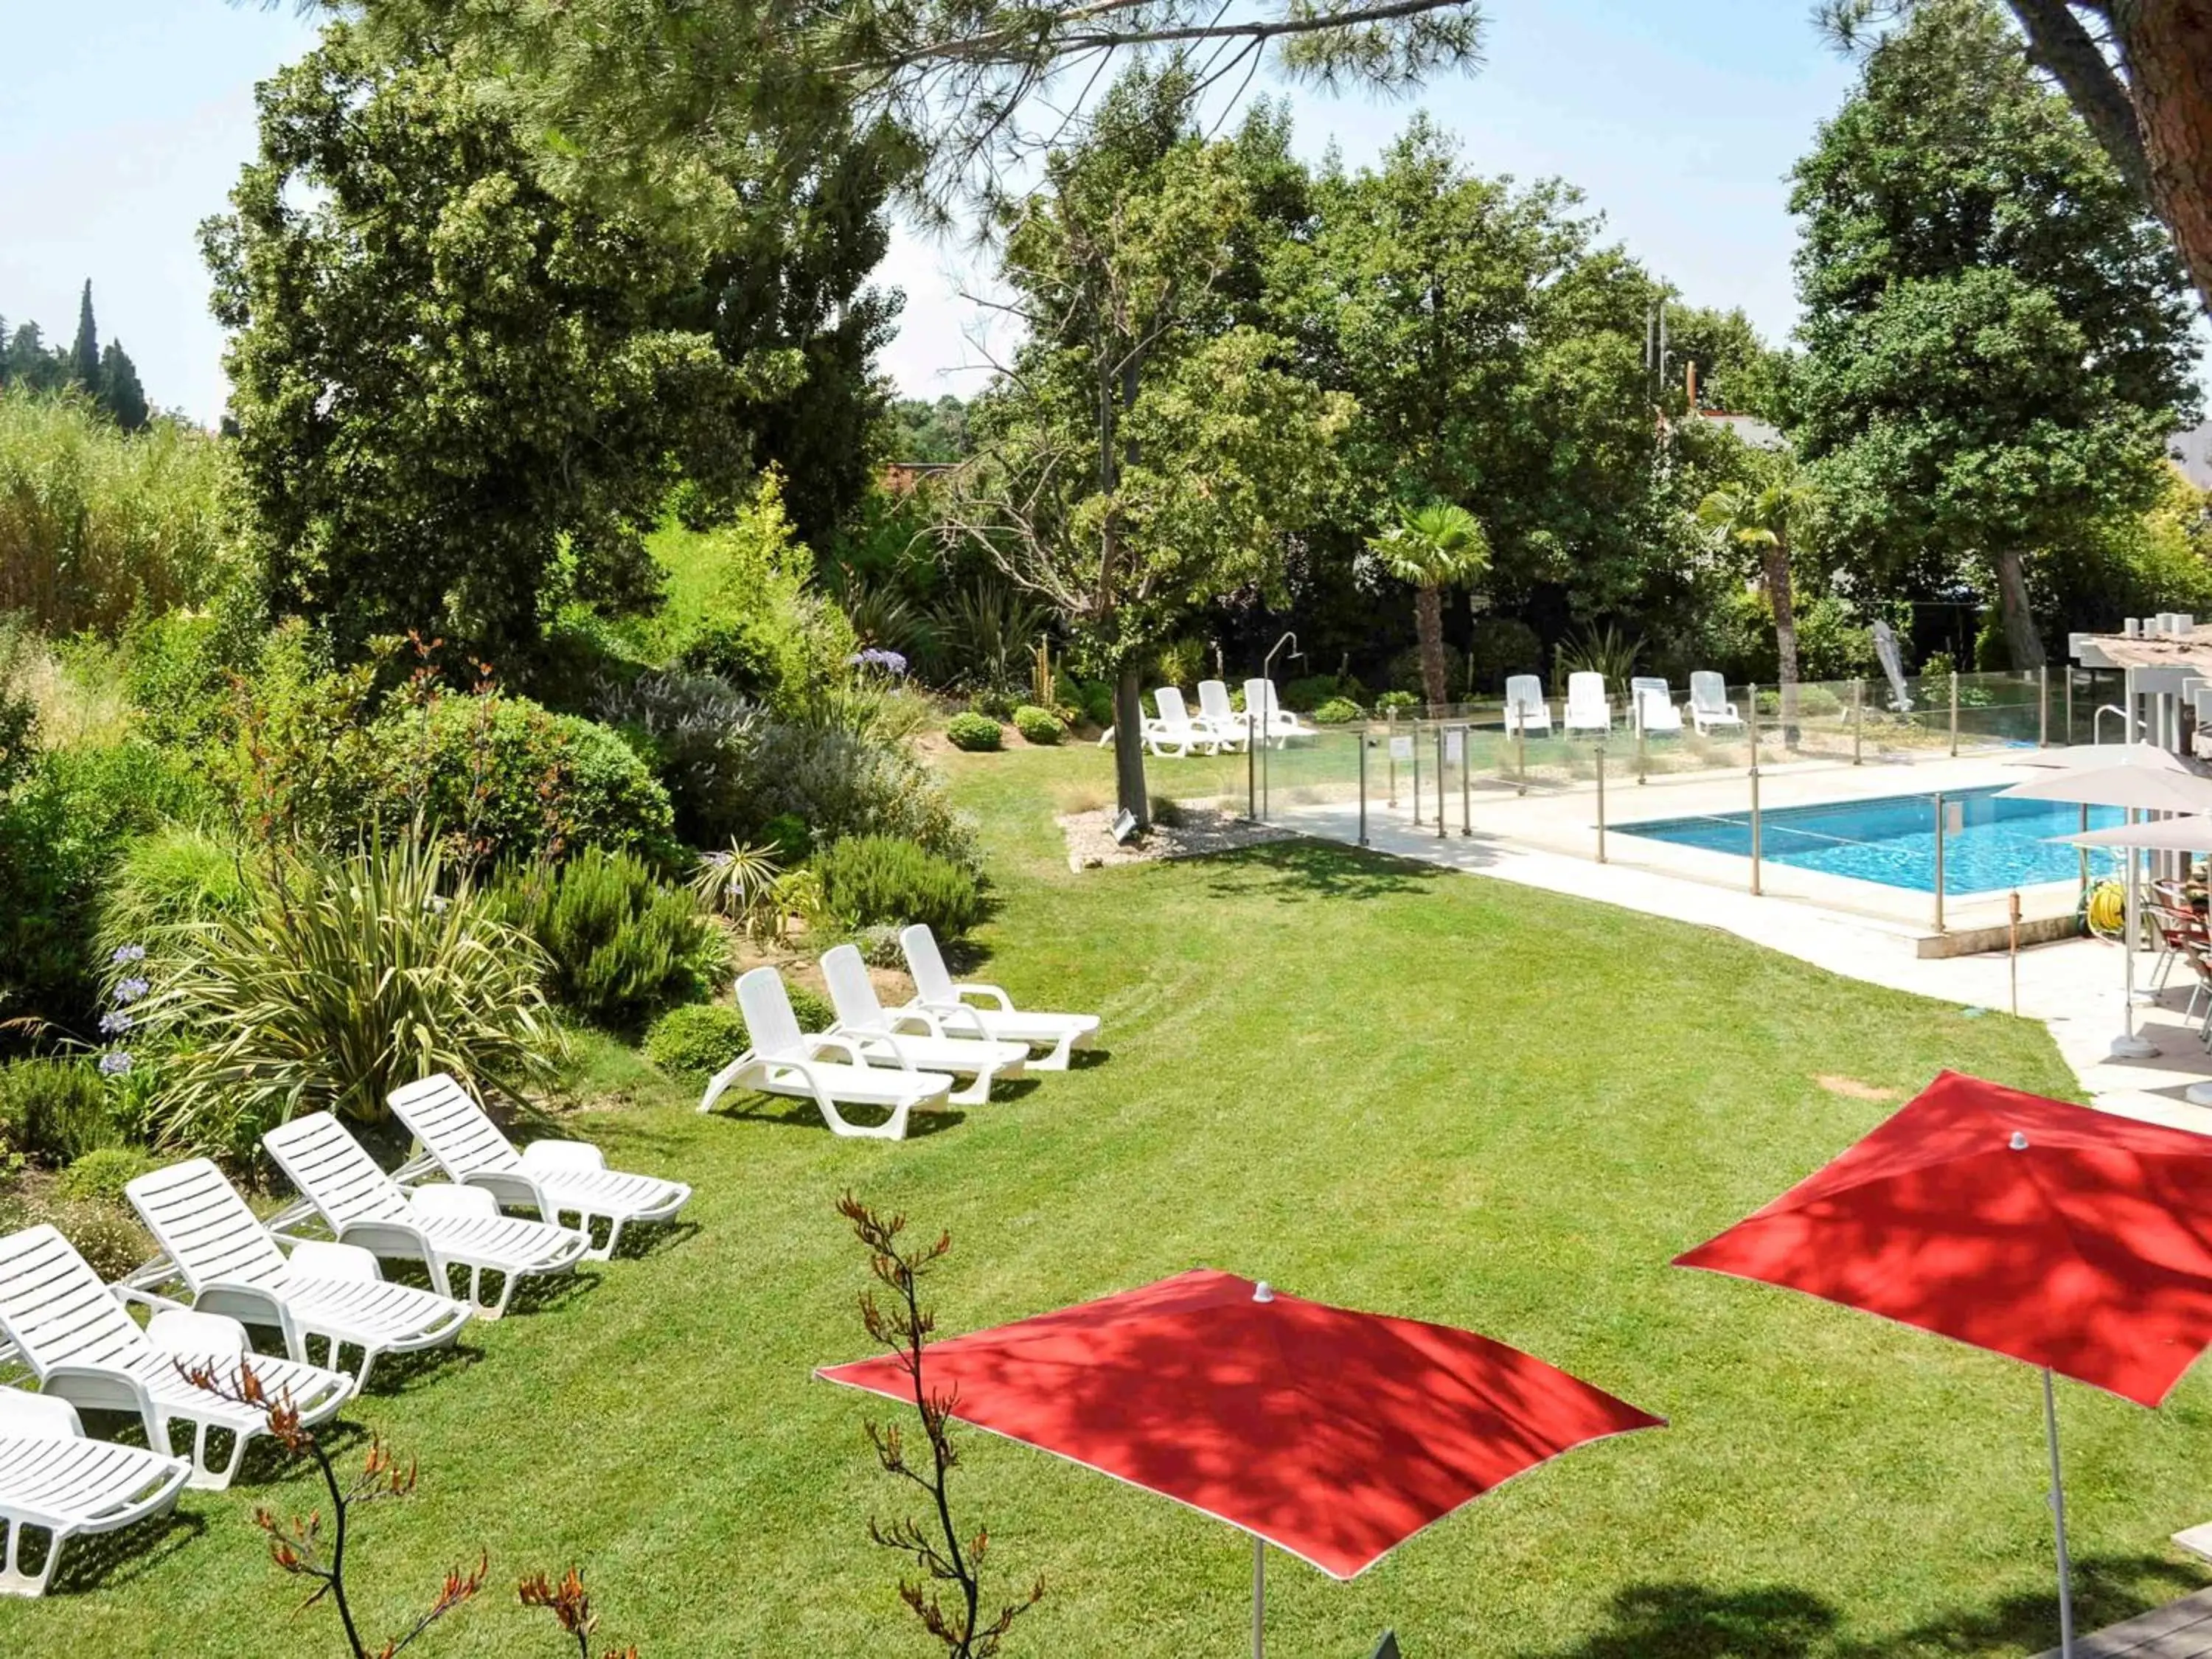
column 114, row 1065
column 130, row 990
column 115, row 1023
column 128, row 953
column 891, row 662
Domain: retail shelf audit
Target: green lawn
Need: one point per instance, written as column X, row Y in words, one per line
column 1437, row 1096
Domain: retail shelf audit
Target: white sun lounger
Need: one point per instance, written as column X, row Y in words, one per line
column 935, row 992
column 442, row 1227
column 1587, row 708
column 232, row 1264
column 1271, row 719
column 1230, row 729
column 1174, row 735
column 786, row 1060
column 55, row 1479
column 1651, row 706
column 913, row 1036
column 1710, row 709
column 76, row 1339
column 1526, row 710
column 554, row 1177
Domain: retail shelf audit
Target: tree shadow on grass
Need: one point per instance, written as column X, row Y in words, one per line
column 2107, row 1589
column 1293, row 872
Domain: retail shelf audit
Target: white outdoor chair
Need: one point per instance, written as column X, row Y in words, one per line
column 1174, row 735
column 232, row 1265
column 1272, row 721
column 1587, row 709
column 553, row 1177
column 442, row 1227
column 1526, row 710
column 936, row 994
column 76, row 1339
column 786, row 1060
column 1230, row 729
column 1710, row 709
column 55, row 1479
column 1652, row 707
column 912, row 1036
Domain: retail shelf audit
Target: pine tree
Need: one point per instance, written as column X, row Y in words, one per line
column 84, row 356
column 120, row 393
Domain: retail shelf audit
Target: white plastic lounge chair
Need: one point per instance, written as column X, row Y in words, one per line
column 1526, row 711
column 936, row 994
column 554, row 1177
column 1174, row 735
column 786, row 1060
column 442, row 1227
column 80, row 1345
column 54, row 1479
column 231, row 1264
column 1587, row 708
column 1272, row 721
column 1652, row 708
column 1710, row 709
column 913, row 1036
column 1230, row 729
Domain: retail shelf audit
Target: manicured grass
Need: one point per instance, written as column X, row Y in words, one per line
column 1432, row 1094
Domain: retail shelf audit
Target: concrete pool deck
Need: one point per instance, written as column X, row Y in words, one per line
column 2073, row 986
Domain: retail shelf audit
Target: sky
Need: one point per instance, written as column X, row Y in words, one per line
column 1679, row 120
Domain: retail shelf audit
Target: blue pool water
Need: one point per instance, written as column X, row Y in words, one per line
column 1992, row 844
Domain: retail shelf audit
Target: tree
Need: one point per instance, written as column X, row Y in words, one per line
column 1144, row 454
column 2139, row 72
column 120, row 393
column 1997, row 336
column 1756, row 517
column 1432, row 547
column 461, row 399
column 84, row 356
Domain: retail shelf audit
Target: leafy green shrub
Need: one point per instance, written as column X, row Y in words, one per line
column 352, row 976
column 1404, row 672
column 1501, row 647
column 1337, row 711
column 813, row 1008
column 1038, row 726
column 741, row 650
column 1813, row 702
column 697, row 1039
column 177, row 673
column 993, row 703
column 516, row 779
column 102, row 1174
column 879, row 946
column 698, row 735
column 1309, row 691
column 1833, row 643
column 788, row 835
column 106, row 1235
column 55, row 1111
column 1390, row 699
column 972, row 731
column 870, row 880
column 622, row 945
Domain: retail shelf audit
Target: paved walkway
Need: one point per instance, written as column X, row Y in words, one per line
column 2179, row 1630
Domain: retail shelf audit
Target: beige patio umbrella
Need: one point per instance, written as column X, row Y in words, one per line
column 2192, row 833
column 2078, row 757
column 2146, row 781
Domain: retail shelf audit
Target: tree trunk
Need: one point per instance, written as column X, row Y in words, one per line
column 1429, row 623
column 2167, row 46
column 2022, row 643
column 1775, row 567
column 1129, row 744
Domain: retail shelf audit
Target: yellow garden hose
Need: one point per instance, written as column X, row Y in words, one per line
column 2108, row 909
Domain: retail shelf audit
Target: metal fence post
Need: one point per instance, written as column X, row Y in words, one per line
column 1520, row 756
column 2069, row 709
column 1417, row 771
column 1756, row 872
column 1858, row 720
column 2043, row 707
column 1364, row 740
column 1750, row 719
column 1598, row 749
column 1955, row 711
column 1939, row 861
column 1251, row 767
column 1390, row 758
column 1441, row 775
column 1636, row 714
column 1466, row 780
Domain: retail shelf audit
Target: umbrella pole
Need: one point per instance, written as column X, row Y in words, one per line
column 2059, row 1521
column 2131, row 1044
column 1260, row 1597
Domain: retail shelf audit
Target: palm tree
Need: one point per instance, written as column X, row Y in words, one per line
column 1432, row 547
column 1757, row 519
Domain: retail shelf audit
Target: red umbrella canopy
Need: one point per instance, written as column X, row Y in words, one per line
column 1333, row 1434
column 2067, row 1237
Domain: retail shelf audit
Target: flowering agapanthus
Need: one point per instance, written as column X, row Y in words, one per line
column 114, row 1023
column 891, row 662
column 115, row 1064
column 128, row 953
column 130, row 990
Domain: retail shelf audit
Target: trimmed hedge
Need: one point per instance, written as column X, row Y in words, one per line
column 972, row 731
column 1038, row 725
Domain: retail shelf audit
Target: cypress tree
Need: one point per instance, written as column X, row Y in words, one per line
column 84, row 356
column 120, row 393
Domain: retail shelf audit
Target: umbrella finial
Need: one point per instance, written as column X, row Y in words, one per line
column 1263, row 1292
column 2019, row 1141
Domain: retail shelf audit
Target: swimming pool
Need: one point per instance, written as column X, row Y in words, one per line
column 1992, row 845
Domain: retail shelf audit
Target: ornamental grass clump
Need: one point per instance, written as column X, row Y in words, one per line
column 344, row 977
